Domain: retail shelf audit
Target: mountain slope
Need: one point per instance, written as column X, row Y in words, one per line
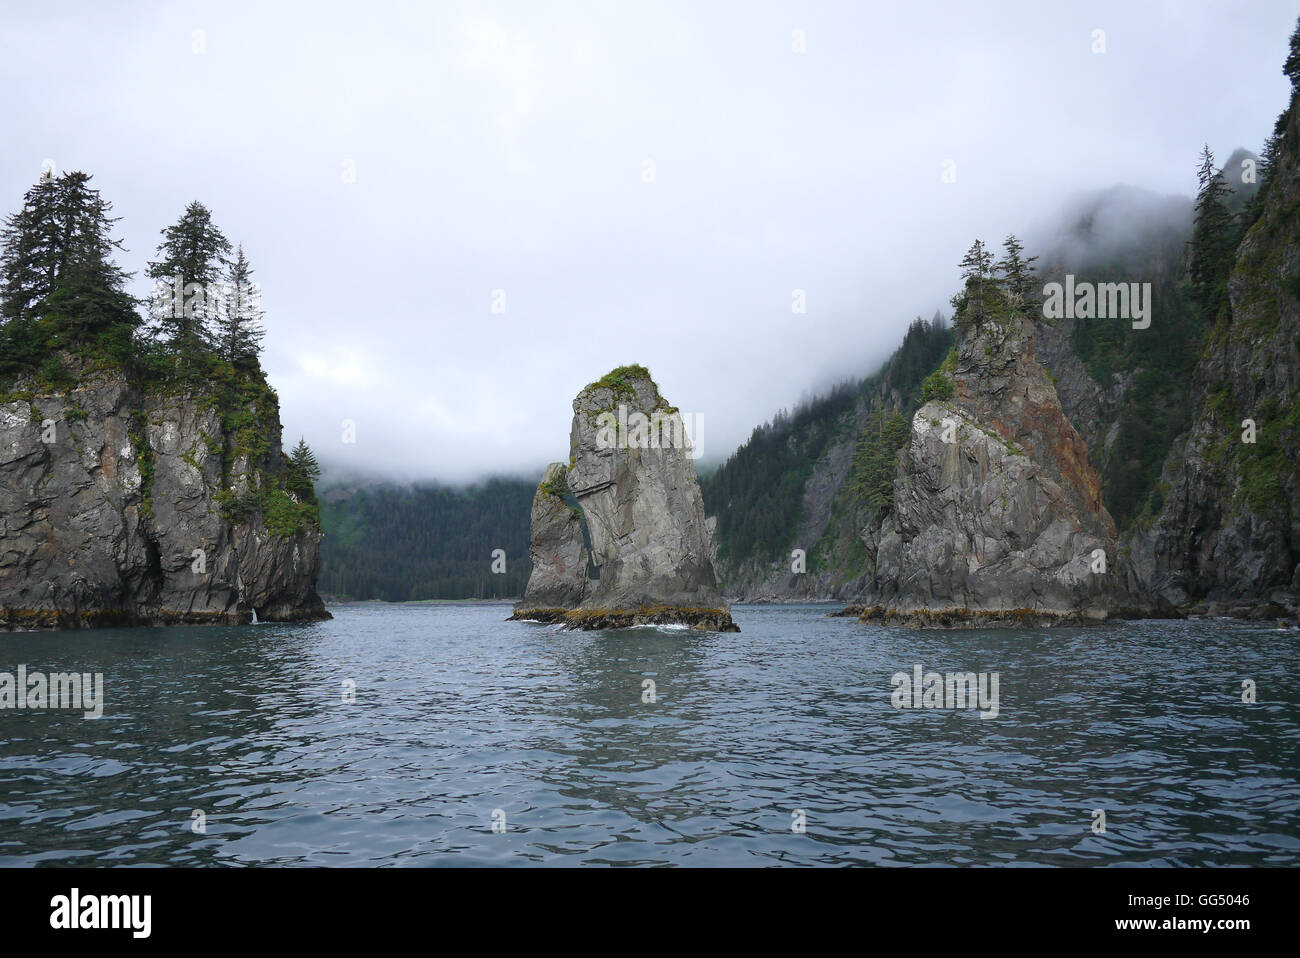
column 1227, row 536
column 807, row 480
column 400, row 543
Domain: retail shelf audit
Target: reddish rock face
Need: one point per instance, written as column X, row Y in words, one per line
column 108, row 461
column 1010, row 391
column 997, row 515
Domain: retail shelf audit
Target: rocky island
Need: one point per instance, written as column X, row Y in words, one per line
column 997, row 513
column 142, row 480
column 619, row 536
column 144, row 508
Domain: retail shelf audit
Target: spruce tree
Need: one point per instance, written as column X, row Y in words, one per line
column 193, row 250
column 1018, row 273
column 1292, row 65
column 29, row 252
column 976, row 271
column 303, row 472
column 56, row 265
column 977, row 264
column 89, row 292
column 1273, row 145
column 1211, row 243
column 239, row 325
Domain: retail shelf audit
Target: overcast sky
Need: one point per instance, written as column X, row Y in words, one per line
column 390, row 167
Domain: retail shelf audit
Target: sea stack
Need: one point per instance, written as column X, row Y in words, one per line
column 126, row 506
column 998, row 517
column 619, row 536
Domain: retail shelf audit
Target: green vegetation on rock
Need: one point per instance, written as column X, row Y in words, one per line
column 757, row 494
column 66, row 322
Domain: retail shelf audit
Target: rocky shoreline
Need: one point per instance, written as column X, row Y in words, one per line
column 1285, row 615
column 703, row 620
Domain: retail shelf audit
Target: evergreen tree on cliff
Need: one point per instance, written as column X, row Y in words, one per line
column 1212, row 239
column 59, row 285
column 977, row 276
column 193, row 250
column 29, row 253
column 1018, row 274
column 239, row 324
column 303, row 472
column 1273, row 145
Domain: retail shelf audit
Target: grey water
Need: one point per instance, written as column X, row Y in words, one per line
column 475, row 741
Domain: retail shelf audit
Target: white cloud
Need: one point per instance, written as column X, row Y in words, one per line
column 502, row 148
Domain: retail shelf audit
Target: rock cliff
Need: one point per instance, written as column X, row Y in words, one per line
column 619, row 537
column 559, row 554
column 121, row 505
column 1227, row 538
column 997, row 516
column 807, row 480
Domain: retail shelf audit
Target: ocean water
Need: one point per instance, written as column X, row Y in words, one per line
column 779, row 745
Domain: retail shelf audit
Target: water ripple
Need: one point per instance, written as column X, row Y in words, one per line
column 460, row 716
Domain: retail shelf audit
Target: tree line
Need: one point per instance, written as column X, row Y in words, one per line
column 757, row 494
column 60, row 288
column 404, row 543
column 64, row 305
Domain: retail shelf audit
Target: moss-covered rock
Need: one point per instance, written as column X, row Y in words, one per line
column 156, row 502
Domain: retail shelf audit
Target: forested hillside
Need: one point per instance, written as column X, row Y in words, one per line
column 1139, row 399
column 803, row 479
column 400, row 543
column 1225, row 540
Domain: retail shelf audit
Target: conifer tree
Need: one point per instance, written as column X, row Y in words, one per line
column 1018, row 274
column 977, row 264
column 29, row 252
column 303, row 472
column 239, row 324
column 193, row 251
column 56, row 262
column 1273, row 145
column 976, row 271
column 1292, row 66
column 1211, row 243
